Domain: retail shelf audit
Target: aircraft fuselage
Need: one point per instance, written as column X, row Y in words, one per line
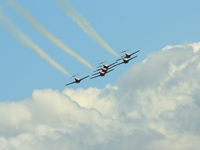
column 127, row 55
column 77, row 80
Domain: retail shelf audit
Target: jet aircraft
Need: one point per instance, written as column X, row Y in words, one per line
column 125, row 61
column 102, row 69
column 128, row 55
column 105, row 67
column 77, row 80
column 101, row 73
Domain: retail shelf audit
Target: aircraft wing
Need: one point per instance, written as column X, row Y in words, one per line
column 97, row 69
column 70, row 83
column 102, row 62
column 117, row 64
column 110, row 70
column 95, row 76
column 74, row 75
column 112, row 64
column 124, row 51
column 95, row 73
column 133, row 57
column 135, row 52
column 84, row 77
column 120, row 58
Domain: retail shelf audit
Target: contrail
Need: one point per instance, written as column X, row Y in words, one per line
column 84, row 24
column 10, row 27
column 41, row 29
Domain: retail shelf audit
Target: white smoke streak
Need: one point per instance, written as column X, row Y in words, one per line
column 10, row 27
column 41, row 29
column 84, row 24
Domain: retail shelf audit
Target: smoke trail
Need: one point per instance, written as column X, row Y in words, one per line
column 27, row 42
column 82, row 22
column 37, row 26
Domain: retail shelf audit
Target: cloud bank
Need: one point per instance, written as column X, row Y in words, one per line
column 154, row 105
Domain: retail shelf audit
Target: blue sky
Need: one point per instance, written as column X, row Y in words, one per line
column 145, row 25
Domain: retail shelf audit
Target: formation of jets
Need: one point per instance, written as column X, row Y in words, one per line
column 104, row 69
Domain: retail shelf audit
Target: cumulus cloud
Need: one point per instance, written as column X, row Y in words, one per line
column 154, row 105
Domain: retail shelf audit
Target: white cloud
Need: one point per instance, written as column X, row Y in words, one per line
column 155, row 105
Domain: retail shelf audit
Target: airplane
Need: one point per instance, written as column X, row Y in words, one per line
column 128, row 55
column 101, row 73
column 104, row 67
column 125, row 61
column 77, row 80
column 102, row 70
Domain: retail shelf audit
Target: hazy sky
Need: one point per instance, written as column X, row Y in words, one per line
column 150, row 103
